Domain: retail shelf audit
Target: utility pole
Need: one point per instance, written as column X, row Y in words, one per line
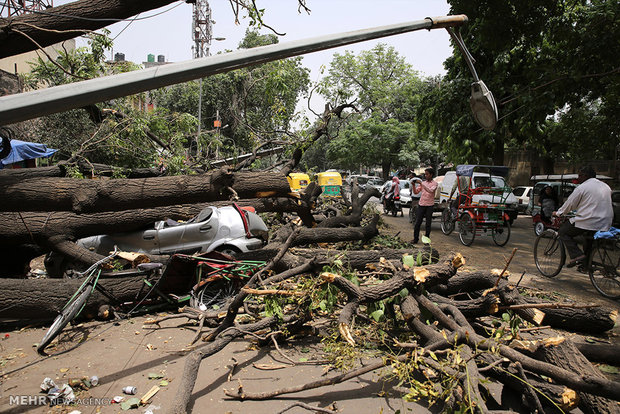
column 202, row 26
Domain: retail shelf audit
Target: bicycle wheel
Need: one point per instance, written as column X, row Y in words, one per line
column 501, row 234
column 214, row 294
column 467, row 229
column 69, row 312
column 549, row 253
column 447, row 224
column 603, row 268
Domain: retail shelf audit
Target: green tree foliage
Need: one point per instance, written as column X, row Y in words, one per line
column 553, row 68
column 255, row 104
column 386, row 92
column 86, row 134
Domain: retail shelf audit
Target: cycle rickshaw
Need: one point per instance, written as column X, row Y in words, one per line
column 482, row 208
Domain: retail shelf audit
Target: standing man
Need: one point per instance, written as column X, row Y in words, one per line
column 592, row 200
column 426, row 203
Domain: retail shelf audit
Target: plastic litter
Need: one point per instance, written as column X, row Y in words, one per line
column 47, row 384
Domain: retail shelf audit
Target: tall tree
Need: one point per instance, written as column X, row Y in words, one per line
column 543, row 60
column 255, row 104
column 379, row 82
column 92, row 133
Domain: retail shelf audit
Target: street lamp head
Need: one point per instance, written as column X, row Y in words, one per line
column 483, row 105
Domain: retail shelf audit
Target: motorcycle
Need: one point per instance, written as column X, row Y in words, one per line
column 392, row 205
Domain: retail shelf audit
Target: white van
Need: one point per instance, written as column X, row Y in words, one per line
column 480, row 179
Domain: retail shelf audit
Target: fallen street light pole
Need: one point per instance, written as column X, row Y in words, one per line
column 28, row 105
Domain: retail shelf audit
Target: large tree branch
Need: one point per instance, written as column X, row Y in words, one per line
column 65, row 22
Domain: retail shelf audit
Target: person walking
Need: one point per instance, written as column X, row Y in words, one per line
column 426, row 203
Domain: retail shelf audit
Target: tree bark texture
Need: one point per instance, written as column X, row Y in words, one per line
column 66, row 19
column 594, row 320
column 565, row 355
column 89, row 196
column 44, row 298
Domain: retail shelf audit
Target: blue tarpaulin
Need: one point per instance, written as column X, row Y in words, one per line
column 22, row 150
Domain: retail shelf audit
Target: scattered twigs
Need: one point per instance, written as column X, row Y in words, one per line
column 505, row 267
column 201, row 322
column 548, row 306
column 233, row 366
column 309, row 408
column 265, row 292
column 242, row 395
column 275, row 343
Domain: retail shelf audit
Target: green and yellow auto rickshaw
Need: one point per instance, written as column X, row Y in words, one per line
column 330, row 182
column 298, row 181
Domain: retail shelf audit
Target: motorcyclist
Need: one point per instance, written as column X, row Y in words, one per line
column 391, row 191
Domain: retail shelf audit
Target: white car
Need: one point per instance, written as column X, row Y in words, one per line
column 523, row 194
column 228, row 230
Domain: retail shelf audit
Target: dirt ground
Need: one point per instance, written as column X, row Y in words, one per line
column 126, row 353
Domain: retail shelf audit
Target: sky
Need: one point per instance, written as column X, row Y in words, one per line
column 169, row 33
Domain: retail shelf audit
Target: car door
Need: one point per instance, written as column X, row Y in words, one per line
column 189, row 237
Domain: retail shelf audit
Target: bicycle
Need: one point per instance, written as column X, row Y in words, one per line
column 603, row 260
column 77, row 302
column 224, row 277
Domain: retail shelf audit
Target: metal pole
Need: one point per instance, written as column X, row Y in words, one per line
column 23, row 106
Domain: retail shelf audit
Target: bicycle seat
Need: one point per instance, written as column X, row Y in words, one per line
column 150, row 266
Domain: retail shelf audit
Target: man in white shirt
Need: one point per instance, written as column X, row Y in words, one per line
column 592, row 200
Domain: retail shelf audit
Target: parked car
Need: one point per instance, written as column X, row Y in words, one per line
column 229, row 230
column 375, row 182
column 523, row 194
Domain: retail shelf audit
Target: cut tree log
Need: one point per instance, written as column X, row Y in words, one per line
column 563, row 353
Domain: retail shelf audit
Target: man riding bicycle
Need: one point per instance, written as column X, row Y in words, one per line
column 592, row 200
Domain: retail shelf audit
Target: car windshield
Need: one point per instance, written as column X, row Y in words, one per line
column 489, row 182
column 518, row 191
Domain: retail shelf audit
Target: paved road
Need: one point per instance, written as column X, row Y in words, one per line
column 485, row 254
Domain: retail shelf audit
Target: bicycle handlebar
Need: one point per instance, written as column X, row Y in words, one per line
column 99, row 263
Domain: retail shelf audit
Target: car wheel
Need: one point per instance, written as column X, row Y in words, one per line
column 229, row 250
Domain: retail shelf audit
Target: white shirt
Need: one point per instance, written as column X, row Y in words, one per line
column 592, row 200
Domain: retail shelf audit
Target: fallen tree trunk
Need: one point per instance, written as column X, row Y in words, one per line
column 90, row 196
column 44, row 298
column 65, row 22
column 355, row 259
